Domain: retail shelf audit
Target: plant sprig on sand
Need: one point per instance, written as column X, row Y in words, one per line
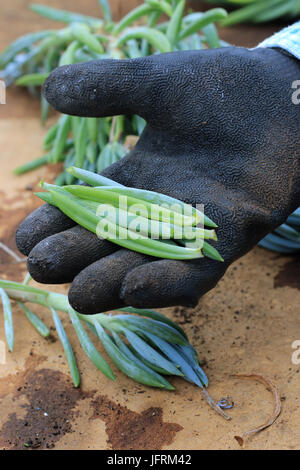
column 144, row 344
column 143, row 329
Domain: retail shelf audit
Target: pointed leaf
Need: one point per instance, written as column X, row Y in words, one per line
column 210, row 16
column 36, row 322
column 176, row 358
column 20, row 44
column 36, row 79
column 104, row 4
column 132, row 16
column 158, row 328
column 150, row 354
column 157, row 39
column 8, row 319
column 155, row 316
column 131, row 355
column 129, row 368
column 175, row 23
column 89, row 348
column 67, row 348
column 189, row 354
column 64, row 16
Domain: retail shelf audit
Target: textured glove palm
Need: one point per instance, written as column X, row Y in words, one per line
column 222, row 130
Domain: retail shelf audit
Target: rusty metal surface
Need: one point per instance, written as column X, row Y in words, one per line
column 248, row 323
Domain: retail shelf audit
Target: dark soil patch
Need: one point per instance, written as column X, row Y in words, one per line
column 127, row 430
column 50, row 407
column 289, row 275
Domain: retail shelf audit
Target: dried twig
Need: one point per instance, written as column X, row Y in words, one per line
column 276, row 411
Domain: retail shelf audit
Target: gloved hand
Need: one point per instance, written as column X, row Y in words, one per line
column 222, row 130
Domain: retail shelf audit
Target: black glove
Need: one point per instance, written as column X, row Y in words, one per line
column 222, row 130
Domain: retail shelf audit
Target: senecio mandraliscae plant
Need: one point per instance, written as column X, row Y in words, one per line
column 144, row 344
column 144, row 221
column 91, row 143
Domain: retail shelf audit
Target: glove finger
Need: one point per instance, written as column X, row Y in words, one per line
column 47, row 220
column 97, row 288
column 59, row 258
column 98, row 88
column 166, row 283
column 43, row 222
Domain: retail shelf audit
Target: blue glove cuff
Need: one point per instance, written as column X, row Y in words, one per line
column 287, row 39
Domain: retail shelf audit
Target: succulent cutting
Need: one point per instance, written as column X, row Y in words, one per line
column 286, row 238
column 143, row 344
column 149, row 223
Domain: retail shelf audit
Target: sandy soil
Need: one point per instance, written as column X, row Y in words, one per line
column 248, row 323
